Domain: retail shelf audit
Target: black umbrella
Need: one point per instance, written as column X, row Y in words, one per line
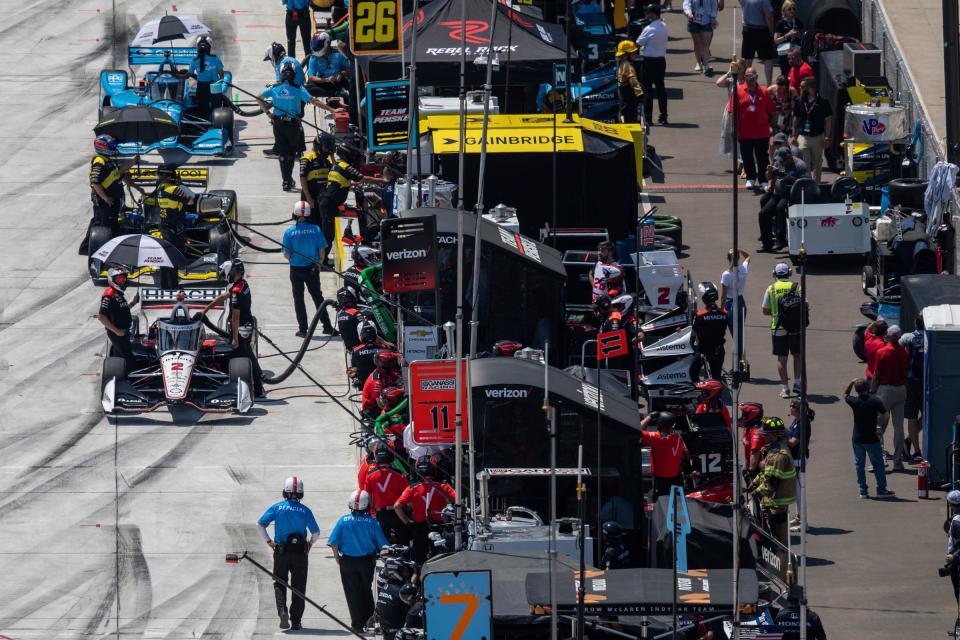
column 138, row 123
column 137, row 250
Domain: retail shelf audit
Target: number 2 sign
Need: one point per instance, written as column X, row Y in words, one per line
column 458, row 605
column 375, row 27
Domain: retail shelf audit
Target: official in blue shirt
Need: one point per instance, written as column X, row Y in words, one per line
column 355, row 541
column 328, row 71
column 291, row 520
column 304, row 246
column 206, row 69
column 288, row 99
column 298, row 17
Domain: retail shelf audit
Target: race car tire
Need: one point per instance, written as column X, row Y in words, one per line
column 667, row 240
column 858, row 348
column 99, row 236
column 670, row 230
column 221, row 243
column 223, row 119
column 907, row 192
column 241, row 369
column 113, row 368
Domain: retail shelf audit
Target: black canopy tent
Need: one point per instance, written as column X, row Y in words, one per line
column 925, row 290
column 532, row 46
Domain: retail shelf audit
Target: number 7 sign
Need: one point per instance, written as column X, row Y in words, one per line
column 458, row 605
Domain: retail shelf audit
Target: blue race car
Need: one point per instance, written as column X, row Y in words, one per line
column 595, row 96
column 173, row 94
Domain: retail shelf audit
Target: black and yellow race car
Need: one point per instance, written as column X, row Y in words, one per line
column 204, row 238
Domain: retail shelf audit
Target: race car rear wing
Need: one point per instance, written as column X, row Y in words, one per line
column 154, row 298
column 156, row 55
column 146, row 176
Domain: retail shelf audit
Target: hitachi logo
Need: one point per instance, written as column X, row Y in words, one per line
column 407, row 254
column 447, row 239
column 506, row 393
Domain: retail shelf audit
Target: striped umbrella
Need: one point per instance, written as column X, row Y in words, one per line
column 136, row 250
column 169, row 28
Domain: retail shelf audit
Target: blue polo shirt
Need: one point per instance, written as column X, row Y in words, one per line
column 287, row 100
column 298, row 78
column 295, row 5
column 356, row 535
column 327, row 66
column 288, row 517
column 303, row 242
column 211, row 68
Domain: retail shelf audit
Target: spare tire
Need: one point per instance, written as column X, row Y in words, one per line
column 669, row 230
column 907, row 192
column 662, row 217
column 842, row 187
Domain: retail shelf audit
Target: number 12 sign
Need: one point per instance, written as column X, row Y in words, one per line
column 458, row 605
column 375, row 27
column 433, row 401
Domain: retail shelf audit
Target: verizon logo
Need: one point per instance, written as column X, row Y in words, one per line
column 407, row 254
column 502, row 394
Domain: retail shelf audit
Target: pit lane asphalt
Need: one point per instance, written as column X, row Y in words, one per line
column 189, row 489
column 872, row 563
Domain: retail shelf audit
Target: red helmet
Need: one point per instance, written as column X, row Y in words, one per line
column 506, row 348
column 751, row 414
column 388, row 359
column 710, row 391
column 105, row 145
column 392, row 396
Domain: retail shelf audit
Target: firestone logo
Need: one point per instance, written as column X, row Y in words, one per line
column 470, row 34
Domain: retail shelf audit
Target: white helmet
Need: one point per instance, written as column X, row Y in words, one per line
column 117, row 278
column 301, row 210
column 954, row 497
column 293, row 488
column 359, row 500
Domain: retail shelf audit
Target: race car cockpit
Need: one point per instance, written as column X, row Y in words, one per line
column 166, row 86
column 179, row 332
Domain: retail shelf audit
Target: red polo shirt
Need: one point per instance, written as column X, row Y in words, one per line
column 796, row 74
column 755, row 107
column 893, row 362
column 667, row 449
column 871, row 344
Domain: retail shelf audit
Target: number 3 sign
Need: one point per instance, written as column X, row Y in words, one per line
column 375, row 27
column 458, row 605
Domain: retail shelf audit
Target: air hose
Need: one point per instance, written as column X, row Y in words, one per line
column 277, row 379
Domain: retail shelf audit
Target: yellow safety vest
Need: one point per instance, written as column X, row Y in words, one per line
column 774, row 293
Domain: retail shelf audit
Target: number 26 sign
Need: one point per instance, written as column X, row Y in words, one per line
column 375, row 27
column 458, row 605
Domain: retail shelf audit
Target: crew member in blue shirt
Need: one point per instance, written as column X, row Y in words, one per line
column 304, row 246
column 298, row 17
column 206, row 69
column 288, row 99
column 277, row 55
column 291, row 521
column 328, row 70
column 355, row 541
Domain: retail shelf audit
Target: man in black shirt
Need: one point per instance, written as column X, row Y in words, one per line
column 362, row 359
column 811, row 123
column 616, row 554
column 710, row 329
column 789, row 621
column 348, row 318
column 115, row 315
column 867, row 411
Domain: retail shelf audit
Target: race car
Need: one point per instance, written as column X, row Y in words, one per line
column 177, row 364
column 206, row 241
column 163, row 89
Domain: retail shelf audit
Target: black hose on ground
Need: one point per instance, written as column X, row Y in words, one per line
column 295, row 363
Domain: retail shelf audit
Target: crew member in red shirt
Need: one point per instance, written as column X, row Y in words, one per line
column 798, row 68
column 872, row 341
column 756, row 112
column 387, row 374
column 385, row 486
column 889, row 383
column 751, row 417
column 668, row 452
column 426, row 500
column 368, row 464
column 711, row 400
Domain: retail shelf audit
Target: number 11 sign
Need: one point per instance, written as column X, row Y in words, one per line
column 433, row 401
column 458, row 605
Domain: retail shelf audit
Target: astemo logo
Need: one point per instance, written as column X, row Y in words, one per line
column 505, row 394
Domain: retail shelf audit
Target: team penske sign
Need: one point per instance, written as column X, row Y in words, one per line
column 509, row 140
column 387, row 107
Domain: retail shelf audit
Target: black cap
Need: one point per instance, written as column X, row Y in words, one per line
column 652, row 8
column 666, row 419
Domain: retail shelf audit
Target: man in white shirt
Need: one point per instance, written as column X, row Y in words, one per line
column 653, row 44
column 727, row 292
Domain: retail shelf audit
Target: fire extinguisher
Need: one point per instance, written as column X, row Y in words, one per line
column 923, row 480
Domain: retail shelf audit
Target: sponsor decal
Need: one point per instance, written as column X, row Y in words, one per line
column 505, row 394
column 829, row 221
column 873, row 127
column 438, row 385
column 770, row 558
column 470, row 51
column 469, row 33
column 446, row 239
column 407, row 254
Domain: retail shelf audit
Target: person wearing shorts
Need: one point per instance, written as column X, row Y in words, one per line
column 758, row 26
column 701, row 21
